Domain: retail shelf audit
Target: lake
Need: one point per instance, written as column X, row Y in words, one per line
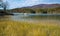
column 31, row 17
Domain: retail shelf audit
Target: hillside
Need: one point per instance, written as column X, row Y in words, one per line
column 49, row 8
column 45, row 6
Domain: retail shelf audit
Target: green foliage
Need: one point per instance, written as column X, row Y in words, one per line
column 37, row 10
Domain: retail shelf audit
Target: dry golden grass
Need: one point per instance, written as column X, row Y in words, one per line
column 13, row 28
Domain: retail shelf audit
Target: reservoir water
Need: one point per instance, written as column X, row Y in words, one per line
column 31, row 17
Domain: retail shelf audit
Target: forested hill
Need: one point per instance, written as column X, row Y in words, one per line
column 50, row 8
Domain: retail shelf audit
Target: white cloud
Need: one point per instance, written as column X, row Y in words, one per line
column 31, row 2
column 22, row 3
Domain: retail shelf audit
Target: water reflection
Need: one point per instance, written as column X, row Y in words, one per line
column 34, row 17
column 30, row 17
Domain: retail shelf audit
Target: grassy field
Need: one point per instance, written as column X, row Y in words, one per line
column 13, row 28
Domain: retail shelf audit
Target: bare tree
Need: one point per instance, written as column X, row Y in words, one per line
column 4, row 5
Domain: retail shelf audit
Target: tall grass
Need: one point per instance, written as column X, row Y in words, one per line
column 13, row 28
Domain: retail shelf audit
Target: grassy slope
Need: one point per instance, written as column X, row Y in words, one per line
column 12, row 28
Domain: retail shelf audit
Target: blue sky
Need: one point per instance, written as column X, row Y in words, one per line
column 23, row 3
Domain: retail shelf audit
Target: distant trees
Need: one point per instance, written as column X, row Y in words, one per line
column 41, row 10
column 37, row 10
column 48, row 10
column 28, row 10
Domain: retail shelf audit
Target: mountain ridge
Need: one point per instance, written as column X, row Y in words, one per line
column 53, row 8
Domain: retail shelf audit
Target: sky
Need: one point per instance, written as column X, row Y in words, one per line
column 24, row 3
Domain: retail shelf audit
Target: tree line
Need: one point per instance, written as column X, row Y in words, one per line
column 37, row 10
